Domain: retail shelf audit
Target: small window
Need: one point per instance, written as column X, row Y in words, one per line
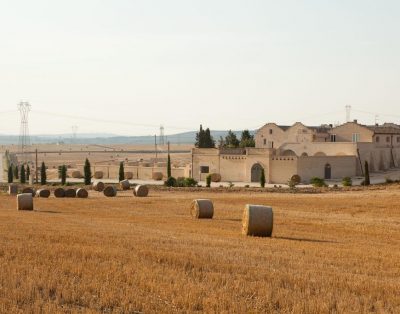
column 398, row 139
column 377, row 139
column 333, row 137
column 355, row 137
column 271, row 144
column 265, row 141
column 204, row 169
column 387, row 139
column 270, row 131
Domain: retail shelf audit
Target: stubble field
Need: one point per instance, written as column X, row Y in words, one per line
column 330, row 253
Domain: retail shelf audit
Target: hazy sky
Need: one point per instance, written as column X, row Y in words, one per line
column 224, row 63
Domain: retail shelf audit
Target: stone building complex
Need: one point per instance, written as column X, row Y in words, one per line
column 325, row 151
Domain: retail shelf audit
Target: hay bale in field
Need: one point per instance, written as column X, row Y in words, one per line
column 215, row 177
column 70, row 193
column 141, row 191
column 25, row 201
column 13, row 189
column 59, row 193
column 125, row 185
column 98, row 175
column 110, row 191
column 76, row 174
column 44, row 193
column 258, row 220
column 29, row 190
column 158, row 176
column 128, row 175
column 202, row 208
column 82, row 193
column 98, row 186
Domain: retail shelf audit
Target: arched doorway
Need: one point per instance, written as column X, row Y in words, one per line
column 256, row 172
column 328, row 172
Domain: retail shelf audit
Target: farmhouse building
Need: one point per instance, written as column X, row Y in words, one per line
column 324, row 151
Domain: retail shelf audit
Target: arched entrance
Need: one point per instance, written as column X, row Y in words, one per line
column 328, row 172
column 256, row 172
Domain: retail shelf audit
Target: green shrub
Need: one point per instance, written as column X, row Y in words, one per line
column 171, row 182
column 318, row 182
column 346, row 181
column 208, row 181
column 189, row 182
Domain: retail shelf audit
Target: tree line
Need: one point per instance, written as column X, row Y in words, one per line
column 204, row 139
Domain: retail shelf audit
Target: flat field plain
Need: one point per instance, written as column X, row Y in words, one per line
column 330, row 253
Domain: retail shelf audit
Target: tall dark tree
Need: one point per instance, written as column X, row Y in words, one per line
column 16, row 172
column 121, row 174
column 262, row 178
column 23, row 175
column 43, row 174
column 10, row 174
column 247, row 140
column 63, row 174
column 366, row 173
column 28, row 173
column 87, row 172
column 231, row 140
column 169, row 171
column 204, row 138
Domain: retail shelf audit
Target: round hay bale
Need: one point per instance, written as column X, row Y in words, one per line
column 98, row 175
column 70, row 193
column 110, row 191
column 98, row 186
column 125, row 185
column 29, row 190
column 258, row 220
column 202, row 208
column 44, row 193
column 215, row 177
column 13, row 189
column 141, row 191
column 128, row 175
column 296, row 179
column 82, row 193
column 59, row 193
column 76, row 174
column 158, row 176
column 25, row 201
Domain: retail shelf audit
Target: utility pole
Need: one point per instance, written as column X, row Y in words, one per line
column 36, row 167
column 155, row 146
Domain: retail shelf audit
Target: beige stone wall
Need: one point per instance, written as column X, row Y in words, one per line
column 318, row 148
column 341, row 166
column 282, row 169
column 263, row 138
column 344, row 133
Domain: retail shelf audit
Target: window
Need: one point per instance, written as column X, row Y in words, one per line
column 333, row 137
column 377, row 139
column 204, row 169
column 270, row 131
column 265, row 141
column 355, row 137
column 270, row 144
column 398, row 139
column 387, row 139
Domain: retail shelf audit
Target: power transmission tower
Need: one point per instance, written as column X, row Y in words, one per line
column 24, row 140
column 161, row 140
column 74, row 131
column 348, row 113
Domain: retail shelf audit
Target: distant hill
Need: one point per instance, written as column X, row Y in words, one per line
column 180, row 138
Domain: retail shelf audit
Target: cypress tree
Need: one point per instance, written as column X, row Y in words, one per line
column 367, row 179
column 28, row 173
column 16, row 174
column 121, row 171
column 23, row 177
column 63, row 174
column 169, row 172
column 87, row 172
column 10, row 174
column 43, row 174
column 262, row 178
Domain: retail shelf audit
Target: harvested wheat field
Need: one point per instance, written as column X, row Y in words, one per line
column 330, row 253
